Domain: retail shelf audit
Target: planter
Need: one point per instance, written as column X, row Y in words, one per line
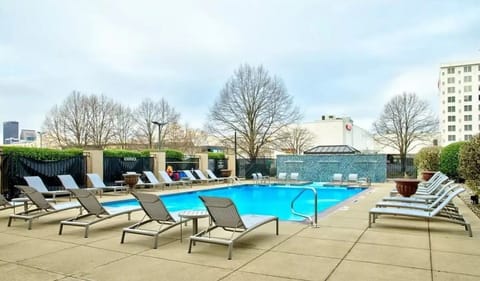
column 131, row 180
column 225, row 173
column 427, row 175
column 407, row 187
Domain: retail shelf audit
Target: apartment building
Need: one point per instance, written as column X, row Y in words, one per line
column 459, row 86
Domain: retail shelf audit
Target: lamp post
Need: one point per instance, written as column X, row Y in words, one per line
column 160, row 125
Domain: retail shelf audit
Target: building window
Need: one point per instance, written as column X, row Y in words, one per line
column 451, row 128
column 451, row 137
column 451, row 109
column 467, row 78
column 451, row 99
column 467, row 98
column 468, row 137
column 451, row 80
column 467, row 108
column 451, row 90
column 467, row 68
column 451, row 70
column 467, row 118
column 451, row 118
column 467, row 88
column 467, row 127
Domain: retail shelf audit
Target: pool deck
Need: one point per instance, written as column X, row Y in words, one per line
column 341, row 248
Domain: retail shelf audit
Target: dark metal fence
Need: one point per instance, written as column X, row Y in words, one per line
column 216, row 165
column 394, row 167
column 266, row 166
column 14, row 168
column 115, row 167
column 188, row 163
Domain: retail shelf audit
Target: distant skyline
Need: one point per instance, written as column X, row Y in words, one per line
column 342, row 58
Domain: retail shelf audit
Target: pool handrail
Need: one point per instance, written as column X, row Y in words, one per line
column 312, row 222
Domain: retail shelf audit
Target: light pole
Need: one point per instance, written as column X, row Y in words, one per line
column 160, row 125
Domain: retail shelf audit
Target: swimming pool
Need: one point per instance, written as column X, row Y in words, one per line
column 266, row 200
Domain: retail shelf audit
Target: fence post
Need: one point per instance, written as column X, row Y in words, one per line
column 95, row 162
column 202, row 161
column 159, row 162
column 231, row 164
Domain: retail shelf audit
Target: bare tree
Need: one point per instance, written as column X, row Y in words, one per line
column 68, row 124
column 101, row 111
column 124, row 125
column 296, row 140
column 149, row 111
column 405, row 120
column 256, row 106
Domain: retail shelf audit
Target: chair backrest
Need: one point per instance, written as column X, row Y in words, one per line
column 282, row 176
column 96, row 180
column 211, row 174
column 255, row 176
column 151, row 177
column 200, row 175
column 353, row 177
column 166, row 178
column 36, row 182
column 35, row 196
column 294, row 176
column 153, row 206
column 88, row 201
column 337, row 177
column 223, row 212
column 443, row 193
column 189, row 175
column 445, row 202
column 68, row 182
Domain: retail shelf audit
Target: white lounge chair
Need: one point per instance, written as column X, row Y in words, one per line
column 94, row 209
column 43, row 207
column 212, row 175
column 69, row 182
column 439, row 213
column 155, row 211
column 202, row 177
column 352, row 178
column 337, row 178
column 168, row 181
column 224, row 214
column 97, row 182
column 192, row 178
column 282, row 176
column 294, row 176
column 152, row 179
column 37, row 183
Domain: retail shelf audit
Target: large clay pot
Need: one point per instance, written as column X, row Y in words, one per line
column 406, row 187
column 131, row 180
column 225, row 173
column 426, row 175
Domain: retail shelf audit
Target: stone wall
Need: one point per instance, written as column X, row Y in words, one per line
column 320, row 168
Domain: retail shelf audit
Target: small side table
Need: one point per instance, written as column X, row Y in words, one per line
column 194, row 215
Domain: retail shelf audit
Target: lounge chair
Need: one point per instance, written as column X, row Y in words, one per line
column 94, row 209
column 421, row 198
column 431, row 189
column 224, row 214
column 294, row 176
column 282, row 176
column 337, row 178
column 43, row 207
column 352, row 178
column 69, row 182
column 192, row 178
column 168, row 181
column 439, row 213
column 5, row 204
column 202, row 177
column 97, row 182
column 152, row 179
column 262, row 177
column 213, row 176
column 37, row 183
column 155, row 211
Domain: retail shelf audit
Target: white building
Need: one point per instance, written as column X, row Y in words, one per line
column 331, row 130
column 459, row 86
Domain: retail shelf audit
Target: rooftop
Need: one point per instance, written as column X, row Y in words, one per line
column 341, row 248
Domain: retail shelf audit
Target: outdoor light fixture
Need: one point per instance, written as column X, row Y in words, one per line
column 160, row 126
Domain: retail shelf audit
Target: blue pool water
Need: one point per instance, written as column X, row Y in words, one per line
column 253, row 199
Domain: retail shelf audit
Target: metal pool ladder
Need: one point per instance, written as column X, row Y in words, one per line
column 292, row 207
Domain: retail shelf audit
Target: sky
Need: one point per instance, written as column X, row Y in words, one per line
column 342, row 58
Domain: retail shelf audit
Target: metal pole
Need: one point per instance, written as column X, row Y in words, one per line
column 235, row 152
column 160, row 125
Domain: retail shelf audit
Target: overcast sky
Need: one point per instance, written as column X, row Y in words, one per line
column 343, row 58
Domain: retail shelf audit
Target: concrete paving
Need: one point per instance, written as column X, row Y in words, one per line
column 342, row 247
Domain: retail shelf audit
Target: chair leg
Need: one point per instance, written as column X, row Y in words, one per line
column 190, row 246
column 123, row 237
column 86, row 231
column 61, row 229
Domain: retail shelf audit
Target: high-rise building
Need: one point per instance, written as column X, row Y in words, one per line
column 10, row 132
column 459, row 86
column 28, row 135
